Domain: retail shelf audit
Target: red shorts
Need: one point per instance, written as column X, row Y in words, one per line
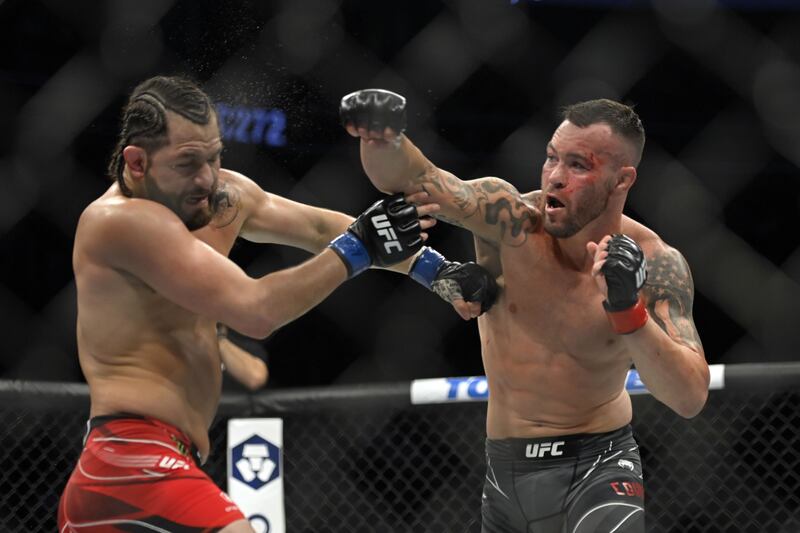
column 138, row 474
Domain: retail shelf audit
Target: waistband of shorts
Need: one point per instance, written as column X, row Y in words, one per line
column 181, row 440
column 558, row 447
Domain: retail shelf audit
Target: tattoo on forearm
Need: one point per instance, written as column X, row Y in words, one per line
column 497, row 201
column 452, row 221
column 669, row 292
column 480, row 241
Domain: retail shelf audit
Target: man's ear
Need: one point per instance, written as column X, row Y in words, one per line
column 626, row 178
column 136, row 160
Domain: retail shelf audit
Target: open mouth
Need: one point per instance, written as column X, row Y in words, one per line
column 553, row 203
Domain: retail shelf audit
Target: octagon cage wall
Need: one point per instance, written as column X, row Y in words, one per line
column 361, row 459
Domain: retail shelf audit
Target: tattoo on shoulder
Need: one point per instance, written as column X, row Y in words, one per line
column 669, row 293
column 225, row 204
column 503, row 206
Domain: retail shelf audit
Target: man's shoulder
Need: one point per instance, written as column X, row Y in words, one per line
column 650, row 242
column 110, row 220
column 532, row 198
column 110, row 209
column 237, row 180
column 240, row 189
column 533, row 201
column 639, row 232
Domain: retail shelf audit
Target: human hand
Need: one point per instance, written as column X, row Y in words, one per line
column 620, row 270
column 388, row 232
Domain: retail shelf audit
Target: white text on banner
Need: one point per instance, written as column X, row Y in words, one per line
column 476, row 388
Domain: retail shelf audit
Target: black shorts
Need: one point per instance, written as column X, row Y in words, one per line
column 567, row 484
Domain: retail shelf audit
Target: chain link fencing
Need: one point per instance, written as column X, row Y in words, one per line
column 718, row 90
column 379, row 465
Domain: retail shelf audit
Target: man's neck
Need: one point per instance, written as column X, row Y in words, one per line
column 573, row 249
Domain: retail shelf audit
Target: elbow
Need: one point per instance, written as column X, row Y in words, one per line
column 692, row 403
column 257, row 327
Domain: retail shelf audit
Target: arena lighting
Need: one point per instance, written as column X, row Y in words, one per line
column 252, row 125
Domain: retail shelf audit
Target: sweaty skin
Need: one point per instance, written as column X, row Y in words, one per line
column 553, row 364
column 150, row 292
column 143, row 354
column 556, row 368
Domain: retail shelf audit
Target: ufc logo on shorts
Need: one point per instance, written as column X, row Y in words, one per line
column 540, row 449
column 385, row 230
column 172, row 463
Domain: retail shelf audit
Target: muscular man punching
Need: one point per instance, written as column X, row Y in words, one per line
column 587, row 293
column 153, row 280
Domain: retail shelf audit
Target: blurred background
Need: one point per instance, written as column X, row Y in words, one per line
column 717, row 85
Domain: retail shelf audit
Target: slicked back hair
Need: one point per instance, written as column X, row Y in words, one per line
column 622, row 119
column 144, row 117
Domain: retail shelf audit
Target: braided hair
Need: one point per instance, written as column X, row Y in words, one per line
column 144, row 117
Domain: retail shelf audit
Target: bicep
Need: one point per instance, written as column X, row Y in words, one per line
column 669, row 294
column 156, row 248
column 278, row 220
column 490, row 208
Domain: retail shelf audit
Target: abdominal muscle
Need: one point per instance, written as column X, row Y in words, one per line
column 180, row 387
column 538, row 392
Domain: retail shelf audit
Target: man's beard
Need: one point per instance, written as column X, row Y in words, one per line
column 583, row 215
column 196, row 219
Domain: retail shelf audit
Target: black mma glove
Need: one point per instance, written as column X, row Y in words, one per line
column 625, row 271
column 386, row 233
column 451, row 280
column 374, row 109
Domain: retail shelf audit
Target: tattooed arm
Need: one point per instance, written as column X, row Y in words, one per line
column 489, row 207
column 667, row 351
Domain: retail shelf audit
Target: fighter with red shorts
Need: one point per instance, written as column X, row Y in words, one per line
column 153, row 280
column 139, row 474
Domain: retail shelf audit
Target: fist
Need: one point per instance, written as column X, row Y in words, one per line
column 373, row 113
column 468, row 281
column 621, row 264
column 390, row 230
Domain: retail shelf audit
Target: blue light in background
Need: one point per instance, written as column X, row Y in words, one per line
column 252, row 125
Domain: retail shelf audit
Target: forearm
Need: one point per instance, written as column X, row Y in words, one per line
column 288, row 294
column 393, row 167
column 675, row 374
column 331, row 226
column 246, row 368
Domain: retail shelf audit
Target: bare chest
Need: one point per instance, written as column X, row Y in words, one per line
column 555, row 308
column 120, row 314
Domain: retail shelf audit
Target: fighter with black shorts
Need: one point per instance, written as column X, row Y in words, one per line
column 587, row 293
column 575, row 484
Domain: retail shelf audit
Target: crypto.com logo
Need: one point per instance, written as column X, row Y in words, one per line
column 256, row 462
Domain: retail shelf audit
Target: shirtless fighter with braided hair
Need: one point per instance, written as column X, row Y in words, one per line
column 153, row 280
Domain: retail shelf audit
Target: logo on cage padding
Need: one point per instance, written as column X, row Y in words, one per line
column 256, row 462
